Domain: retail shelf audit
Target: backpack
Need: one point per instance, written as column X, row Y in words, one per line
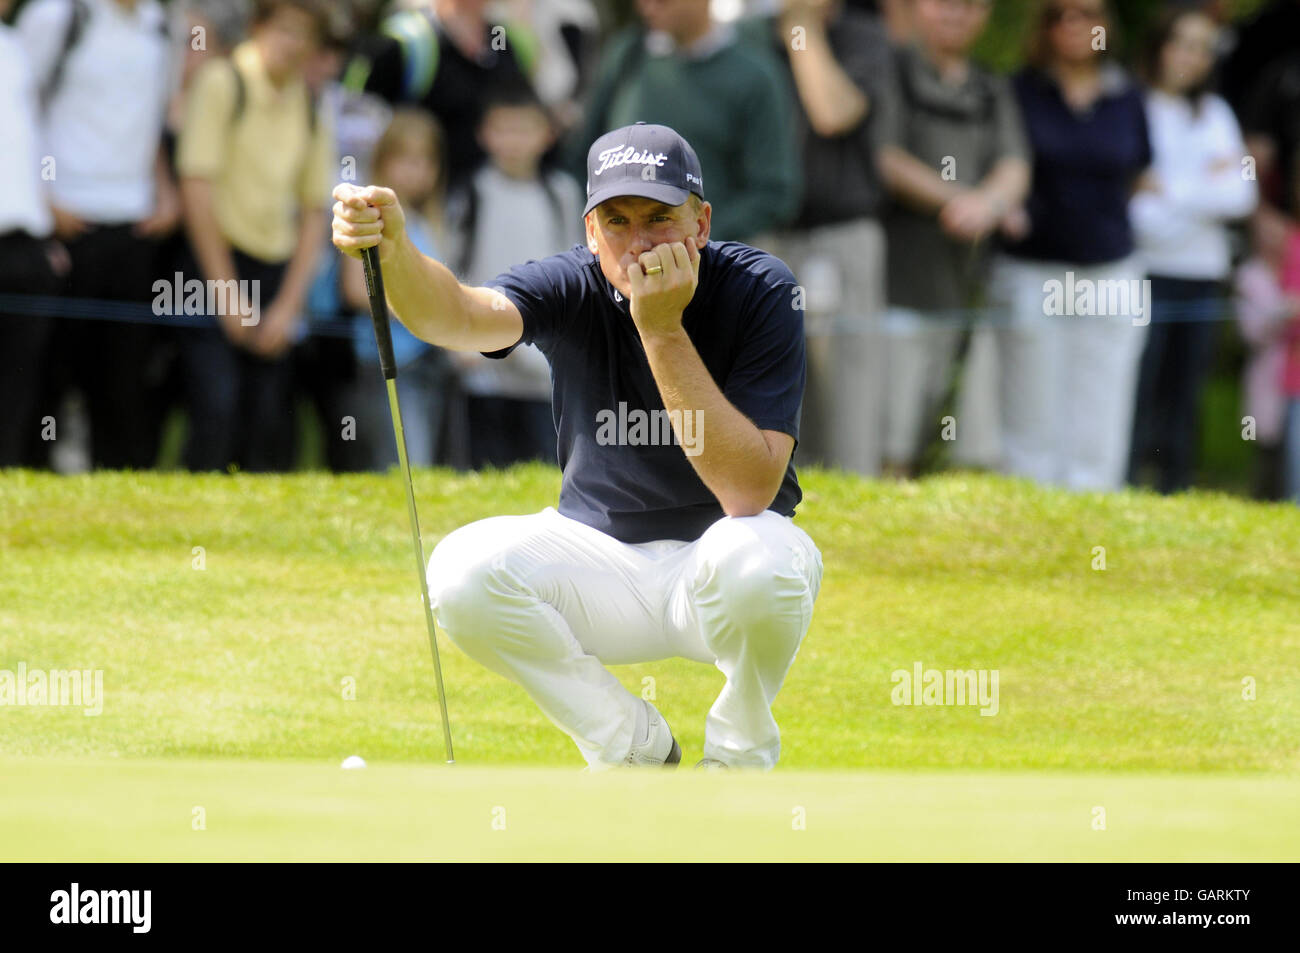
column 415, row 32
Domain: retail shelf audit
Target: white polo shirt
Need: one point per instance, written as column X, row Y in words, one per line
column 22, row 200
column 104, row 123
column 1182, row 230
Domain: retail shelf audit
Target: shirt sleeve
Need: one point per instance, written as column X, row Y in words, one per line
column 542, row 291
column 769, row 175
column 202, row 147
column 42, row 29
column 1220, row 194
column 1012, row 142
column 888, row 106
column 1139, row 109
column 1261, row 308
column 766, row 382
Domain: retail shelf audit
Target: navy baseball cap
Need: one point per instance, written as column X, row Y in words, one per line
column 652, row 162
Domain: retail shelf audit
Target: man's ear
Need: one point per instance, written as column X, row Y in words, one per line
column 705, row 221
column 589, row 221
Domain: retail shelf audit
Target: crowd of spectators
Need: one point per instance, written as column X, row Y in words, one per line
column 961, row 237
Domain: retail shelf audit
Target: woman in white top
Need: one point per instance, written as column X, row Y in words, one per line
column 1198, row 184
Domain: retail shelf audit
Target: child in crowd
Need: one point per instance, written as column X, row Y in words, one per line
column 255, row 158
column 410, row 159
column 511, row 210
column 1291, row 370
column 1265, row 312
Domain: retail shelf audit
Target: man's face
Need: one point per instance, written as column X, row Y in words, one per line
column 1188, row 57
column 622, row 229
column 951, row 26
column 515, row 136
column 288, row 40
column 674, row 17
column 1072, row 25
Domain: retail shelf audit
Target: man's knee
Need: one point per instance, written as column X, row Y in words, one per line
column 475, row 574
column 466, row 576
column 756, row 565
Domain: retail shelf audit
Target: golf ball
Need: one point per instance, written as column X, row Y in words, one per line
column 353, row 763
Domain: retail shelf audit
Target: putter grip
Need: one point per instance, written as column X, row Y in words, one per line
column 379, row 312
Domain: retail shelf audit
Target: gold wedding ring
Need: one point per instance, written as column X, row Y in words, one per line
column 655, row 270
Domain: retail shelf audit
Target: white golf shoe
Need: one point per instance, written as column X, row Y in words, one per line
column 658, row 746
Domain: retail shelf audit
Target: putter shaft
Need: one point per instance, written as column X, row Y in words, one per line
column 384, row 340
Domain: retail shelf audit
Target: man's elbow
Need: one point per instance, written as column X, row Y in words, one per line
column 836, row 123
column 833, row 127
column 890, row 166
column 739, row 507
column 748, row 501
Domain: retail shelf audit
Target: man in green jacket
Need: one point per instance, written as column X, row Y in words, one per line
column 729, row 99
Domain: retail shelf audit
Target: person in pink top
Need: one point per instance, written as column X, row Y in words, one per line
column 1290, row 284
column 1267, row 316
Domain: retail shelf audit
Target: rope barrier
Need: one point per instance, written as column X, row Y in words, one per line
column 329, row 325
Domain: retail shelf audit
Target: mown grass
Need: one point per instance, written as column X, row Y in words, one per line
column 179, row 809
column 308, row 580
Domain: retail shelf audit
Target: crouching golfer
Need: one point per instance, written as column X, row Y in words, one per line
column 678, row 370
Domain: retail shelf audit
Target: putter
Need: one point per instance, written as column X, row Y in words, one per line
column 928, row 458
column 384, row 338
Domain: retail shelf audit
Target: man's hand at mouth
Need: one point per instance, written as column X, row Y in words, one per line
column 663, row 282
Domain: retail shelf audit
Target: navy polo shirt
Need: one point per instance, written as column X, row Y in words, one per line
column 1085, row 166
column 623, row 474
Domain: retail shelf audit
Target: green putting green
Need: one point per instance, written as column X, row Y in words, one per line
column 251, row 632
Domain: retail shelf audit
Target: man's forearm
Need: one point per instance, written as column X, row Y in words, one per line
column 423, row 293
column 734, row 459
column 1007, row 182
column 915, row 183
column 426, row 297
column 832, row 101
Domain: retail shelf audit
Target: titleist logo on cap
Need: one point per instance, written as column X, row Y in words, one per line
column 627, row 155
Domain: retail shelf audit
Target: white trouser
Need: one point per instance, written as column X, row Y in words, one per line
column 979, row 430
column 920, row 354
column 547, row 602
column 1068, row 381
column 841, row 269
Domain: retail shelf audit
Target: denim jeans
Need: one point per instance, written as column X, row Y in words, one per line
column 1178, row 355
column 422, row 392
column 1291, row 443
column 240, row 405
